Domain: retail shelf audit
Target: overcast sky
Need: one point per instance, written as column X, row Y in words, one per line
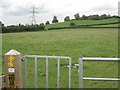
column 18, row 11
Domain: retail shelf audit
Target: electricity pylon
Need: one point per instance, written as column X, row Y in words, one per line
column 33, row 15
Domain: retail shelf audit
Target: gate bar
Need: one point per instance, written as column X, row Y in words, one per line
column 70, row 62
column 25, row 73
column 58, row 74
column 80, row 72
column 33, row 56
column 101, row 59
column 36, row 76
column 46, row 73
column 106, row 79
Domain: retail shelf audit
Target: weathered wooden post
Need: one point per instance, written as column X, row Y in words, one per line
column 13, row 69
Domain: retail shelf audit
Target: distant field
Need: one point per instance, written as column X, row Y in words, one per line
column 75, row 43
column 111, row 25
column 82, row 22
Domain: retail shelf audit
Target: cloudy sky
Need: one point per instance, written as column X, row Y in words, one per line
column 18, row 11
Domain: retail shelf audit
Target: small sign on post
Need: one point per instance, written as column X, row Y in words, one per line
column 13, row 69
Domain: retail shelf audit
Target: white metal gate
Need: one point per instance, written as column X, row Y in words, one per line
column 94, row 59
column 58, row 58
column 47, row 61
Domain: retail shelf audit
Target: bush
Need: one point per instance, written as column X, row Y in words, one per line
column 41, row 26
column 72, row 24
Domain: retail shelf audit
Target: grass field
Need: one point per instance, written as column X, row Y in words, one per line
column 111, row 25
column 75, row 43
column 82, row 22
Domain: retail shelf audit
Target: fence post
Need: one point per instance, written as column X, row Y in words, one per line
column 81, row 73
column 13, row 69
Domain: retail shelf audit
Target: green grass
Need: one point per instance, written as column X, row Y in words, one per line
column 75, row 43
column 82, row 22
column 111, row 25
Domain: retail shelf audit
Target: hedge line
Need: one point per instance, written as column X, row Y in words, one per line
column 85, row 26
column 22, row 28
column 41, row 27
column 98, row 24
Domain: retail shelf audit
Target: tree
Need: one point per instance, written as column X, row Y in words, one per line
column 54, row 19
column 115, row 16
column 103, row 16
column 109, row 16
column 77, row 17
column 47, row 22
column 41, row 26
column 93, row 17
column 67, row 18
column 84, row 17
column 0, row 23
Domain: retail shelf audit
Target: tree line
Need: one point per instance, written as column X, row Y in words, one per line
column 41, row 27
column 84, row 17
column 22, row 28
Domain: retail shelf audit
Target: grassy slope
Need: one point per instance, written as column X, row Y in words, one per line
column 75, row 43
column 81, row 22
column 63, row 42
column 111, row 25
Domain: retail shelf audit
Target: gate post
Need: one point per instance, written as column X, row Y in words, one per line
column 13, row 69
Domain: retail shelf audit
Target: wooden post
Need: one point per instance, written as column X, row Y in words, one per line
column 13, row 69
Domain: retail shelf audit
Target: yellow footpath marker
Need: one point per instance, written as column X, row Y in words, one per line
column 11, row 61
column 13, row 69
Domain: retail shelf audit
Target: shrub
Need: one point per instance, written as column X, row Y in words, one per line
column 72, row 24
